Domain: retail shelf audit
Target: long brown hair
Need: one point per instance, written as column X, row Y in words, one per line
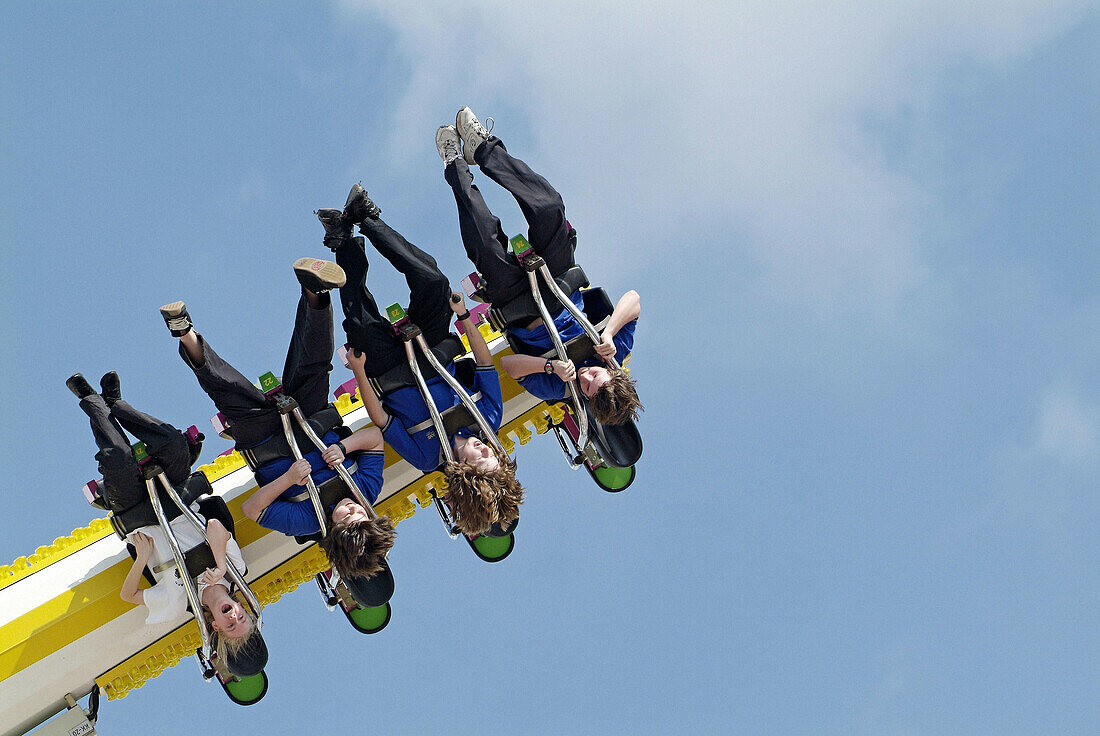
column 482, row 498
column 616, row 401
column 358, row 548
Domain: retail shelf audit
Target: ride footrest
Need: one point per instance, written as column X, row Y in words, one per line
column 93, row 494
column 400, row 322
column 525, row 254
column 474, row 286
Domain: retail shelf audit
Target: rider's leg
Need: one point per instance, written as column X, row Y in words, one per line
column 483, row 237
column 251, row 417
column 123, row 487
column 163, row 440
column 540, row 203
column 364, row 325
column 429, row 289
column 309, row 357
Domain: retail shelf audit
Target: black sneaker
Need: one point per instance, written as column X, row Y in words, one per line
column 337, row 228
column 176, row 317
column 359, row 206
column 110, row 388
column 79, row 385
column 319, row 276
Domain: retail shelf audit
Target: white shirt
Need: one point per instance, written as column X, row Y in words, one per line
column 167, row 599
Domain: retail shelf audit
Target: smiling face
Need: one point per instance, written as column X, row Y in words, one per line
column 475, row 453
column 230, row 618
column 591, row 378
column 348, row 511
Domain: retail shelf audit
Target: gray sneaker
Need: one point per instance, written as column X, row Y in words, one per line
column 472, row 132
column 448, row 143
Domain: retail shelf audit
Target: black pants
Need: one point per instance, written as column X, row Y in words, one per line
column 124, row 487
column 429, row 296
column 482, row 234
column 251, row 416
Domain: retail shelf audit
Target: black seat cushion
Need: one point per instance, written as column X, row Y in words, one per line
column 401, row 376
column 522, row 309
column 374, row 591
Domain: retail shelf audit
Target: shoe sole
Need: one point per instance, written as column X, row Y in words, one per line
column 319, row 276
column 174, row 309
column 369, row 210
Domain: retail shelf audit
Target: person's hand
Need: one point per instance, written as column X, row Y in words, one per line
column 564, row 369
column 143, row 543
column 356, row 358
column 299, row 471
column 457, row 302
column 212, row 575
column 333, row 455
column 606, row 348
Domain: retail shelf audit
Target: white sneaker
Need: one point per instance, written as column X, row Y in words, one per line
column 448, row 143
column 472, row 132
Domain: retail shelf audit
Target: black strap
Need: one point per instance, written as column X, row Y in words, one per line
column 400, row 376
column 521, row 310
column 275, row 447
column 141, row 514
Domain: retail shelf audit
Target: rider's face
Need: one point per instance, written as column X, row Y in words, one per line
column 591, row 378
column 230, row 619
column 348, row 511
column 472, row 451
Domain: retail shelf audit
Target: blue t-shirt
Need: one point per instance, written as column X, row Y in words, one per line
column 407, row 409
column 297, row 518
column 547, row 385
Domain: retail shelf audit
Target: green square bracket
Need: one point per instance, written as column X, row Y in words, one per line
column 268, row 382
column 520, row 246
column 395, row 313
column 141, row 453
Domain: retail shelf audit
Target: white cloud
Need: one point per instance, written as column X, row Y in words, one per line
column 1047, row 475
column 1066, row 428
column 746, row 117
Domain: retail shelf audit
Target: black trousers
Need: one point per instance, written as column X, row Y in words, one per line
column 429, row 296
column 124, row 487
column 251, row 416
column 482, row 234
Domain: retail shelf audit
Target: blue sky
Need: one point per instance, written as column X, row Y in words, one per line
column 865, row 235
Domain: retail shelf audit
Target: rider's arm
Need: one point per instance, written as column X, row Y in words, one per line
column 266, row 494
column 130, row 591
column 365, row 440
column 377, row 414
column 482, row 355
column 517, row 366
column 627, row 310
column 218, row 537
column 361, row 441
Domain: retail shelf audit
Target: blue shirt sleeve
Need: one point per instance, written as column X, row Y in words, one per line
column 407, row 447
column 295, row 519
column 544, row 385
column 369, row 473
column 492, row 401
column 624, row 340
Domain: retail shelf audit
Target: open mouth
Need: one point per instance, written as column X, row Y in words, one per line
column 226, row 608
